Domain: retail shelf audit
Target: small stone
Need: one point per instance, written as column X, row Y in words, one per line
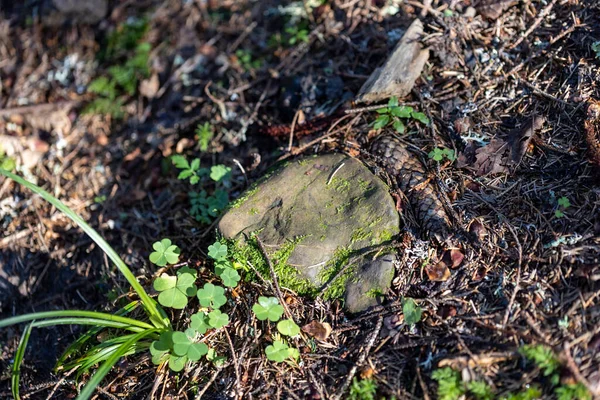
column 470, row 12
column 335, row 209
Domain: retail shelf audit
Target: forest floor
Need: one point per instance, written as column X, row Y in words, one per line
column 92, row 107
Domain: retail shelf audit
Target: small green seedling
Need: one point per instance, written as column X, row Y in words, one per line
column 246, row 60
column 573, row 391
column 123, row 78
column 296, row 34
column 204, row 207
column 212, row 296
column 362, row 389
column 596, row 49
column 449, row 383
column 221, row 174
column 288, row 327
column 412, row 312
column 7, row 163
column 394, row 114
column 100, row 199
column 480, row 390
column 268, row 308
column 175, row 290
column 545, row 359
column 562, row 203
column 191, row 171
column 204, row 134
column 165, row 252
column 438, row 154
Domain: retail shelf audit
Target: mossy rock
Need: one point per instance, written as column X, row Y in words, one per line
column 325, row 211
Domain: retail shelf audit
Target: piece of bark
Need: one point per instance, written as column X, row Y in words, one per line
column 592, row 131
column 398, row 74
column 493, row 9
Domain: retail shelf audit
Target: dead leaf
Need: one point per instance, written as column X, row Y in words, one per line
column 477, row 229
column 318, row 330
column 438, row 272
column 133, row 155
column 367, row 373
column 149, row 87
column 491, row 159
column 447, row 311
column 476, row 360
column 520, row 139
column 592, row 131
column 453, row 258
column 493, row 9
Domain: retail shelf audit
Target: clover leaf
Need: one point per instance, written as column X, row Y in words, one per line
column 176, row 363
column 437, row 154
column 230, row 277
column 217, row 319
column 412, row 312
column 182, row 342
column 212, row 296
column 196, row 351
column 221, row 266
column 268, row 308
column 174, row 291
column 288, row 327
column 278, row 351
column 184, row 345
column 165, row 253
column 160, row 347
column 215, row 358
column 564, row 202
column 217, row 251
column 199, row 322
column 293, row 353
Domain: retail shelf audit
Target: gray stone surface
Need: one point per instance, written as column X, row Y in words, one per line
column 335, row 204
column 76, row 11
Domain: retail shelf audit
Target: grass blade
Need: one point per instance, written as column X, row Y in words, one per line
column 157, row 317
column 75, row 313
column 19, row 355
column 88, row 390
column 87, row 321
column 92, row 332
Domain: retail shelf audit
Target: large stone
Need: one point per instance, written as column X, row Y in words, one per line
column 334, row 210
